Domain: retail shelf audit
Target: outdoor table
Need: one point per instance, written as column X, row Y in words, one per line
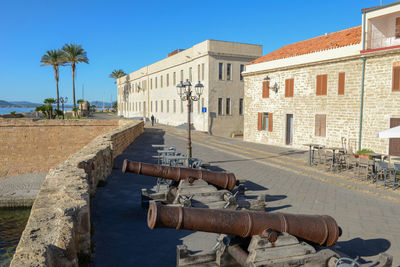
column 176, row 159
column 374, row 156
column 311, row 151
column 334, row 149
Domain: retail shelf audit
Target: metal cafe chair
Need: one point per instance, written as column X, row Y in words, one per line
column 365, row 167
column 396, row 172
column 382, row 172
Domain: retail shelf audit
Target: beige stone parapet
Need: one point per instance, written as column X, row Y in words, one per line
column 58, row 229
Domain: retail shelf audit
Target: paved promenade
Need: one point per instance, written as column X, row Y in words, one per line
column 369, row 216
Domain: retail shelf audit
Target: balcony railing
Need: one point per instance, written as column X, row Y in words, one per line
column 381, row 42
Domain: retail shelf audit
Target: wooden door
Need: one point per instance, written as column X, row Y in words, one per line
column 289, row 129
column 394, row 143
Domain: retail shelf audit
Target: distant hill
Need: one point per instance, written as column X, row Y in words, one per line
column 99, row 104
column 18, row 104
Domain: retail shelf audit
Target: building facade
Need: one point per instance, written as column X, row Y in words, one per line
column 151, row 90
column 339, row 88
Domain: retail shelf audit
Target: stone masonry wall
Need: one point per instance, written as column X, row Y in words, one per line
column 342, row 111
column 380, row 102
column 58, row 229
column 31, row 146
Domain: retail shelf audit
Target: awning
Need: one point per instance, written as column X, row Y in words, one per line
column 390, row 133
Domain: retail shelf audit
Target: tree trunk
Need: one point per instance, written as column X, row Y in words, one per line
column 73, row 83
column 58, row 94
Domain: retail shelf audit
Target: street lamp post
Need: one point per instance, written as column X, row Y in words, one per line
column 184, row 90
column 63, row 100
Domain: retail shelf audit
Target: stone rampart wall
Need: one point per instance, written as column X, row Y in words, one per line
column 32, row 146
column 58, row 229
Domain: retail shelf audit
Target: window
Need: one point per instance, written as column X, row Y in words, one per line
column 155, row 82
column 190, row 74
column 167, row 80
column 265, row 89
column 264, row 121
column 181, row 106
column 161, row 81
column 140, row 106
column 320, row 125
column 174, row 79
column 174, row 105
column 151, row 83
column 144, row 106
column 241, row 70
column 220, row 69
column 341, row 83
column 241, row 106
column 156, row 106
column 182, row 75
column 220, row 106
column 167, row 106
column 322, row 84
column 198, row 72
column 228, row 71
column 228, row 106
column 289, row 85
column 397, row 29
column 396, row 77
column 151, row 106
column 161, row 104
column 202, row 71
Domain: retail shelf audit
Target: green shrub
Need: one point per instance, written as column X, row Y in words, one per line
column 13, row 112
column 364, row 151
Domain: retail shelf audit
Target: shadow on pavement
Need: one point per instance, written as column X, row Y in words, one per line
column 358, row 247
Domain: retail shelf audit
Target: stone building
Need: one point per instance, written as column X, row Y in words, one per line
column 341, row 87
column 151, row 90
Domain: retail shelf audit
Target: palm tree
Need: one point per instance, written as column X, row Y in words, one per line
column 54, row 58
column 74, row 54
column 117, row 74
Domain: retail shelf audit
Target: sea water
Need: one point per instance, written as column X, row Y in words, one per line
column 17, row 110
column 12, row 224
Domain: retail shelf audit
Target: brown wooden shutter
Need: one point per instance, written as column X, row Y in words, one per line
column 259, row 121
column 324, row 84
column 291, row 87
column 287, row 87
column 397, row 30
column 341, row 83
column 396, row 78
column 270, row 122
column 323, row 125
column 265, row 89
column 318, row 85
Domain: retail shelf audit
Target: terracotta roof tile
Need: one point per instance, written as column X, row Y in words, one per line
column 333, row 40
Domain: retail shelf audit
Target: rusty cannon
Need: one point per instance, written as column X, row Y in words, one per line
column 251, row 238
column 194, row 187
column 219, row 179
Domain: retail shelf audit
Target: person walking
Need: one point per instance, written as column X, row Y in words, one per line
column 152, row 120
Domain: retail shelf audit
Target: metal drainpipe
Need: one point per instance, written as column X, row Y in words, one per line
column 362, row 102
column 362, row 83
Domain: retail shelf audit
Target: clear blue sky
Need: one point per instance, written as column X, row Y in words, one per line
column 131, row 34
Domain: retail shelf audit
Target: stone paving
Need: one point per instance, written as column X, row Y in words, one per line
column 369, row 216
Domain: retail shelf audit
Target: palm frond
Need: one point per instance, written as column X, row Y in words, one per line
column 115, row 74
column 75, row 54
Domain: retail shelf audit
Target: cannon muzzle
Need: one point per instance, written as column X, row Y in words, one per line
column 220, row 179
column 318, row 229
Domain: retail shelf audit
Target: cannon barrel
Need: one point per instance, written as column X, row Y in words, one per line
column 220, row 179
column 318, row 229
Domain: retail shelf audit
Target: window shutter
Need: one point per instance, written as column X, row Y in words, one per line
column 341, row 83
column 287, row 87
column 324, row 84
column 318, row 85
column 259, row 122
column 396, row 78
column 291, row 87
column 397, row 30
column 270, row 122
column 265, row 89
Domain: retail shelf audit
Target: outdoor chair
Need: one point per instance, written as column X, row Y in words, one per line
column 364, row 167
column 351, row 162
column 329, row 158
column 396, row 173
column 382, row 171
column 321, row 156
column 315, row 156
